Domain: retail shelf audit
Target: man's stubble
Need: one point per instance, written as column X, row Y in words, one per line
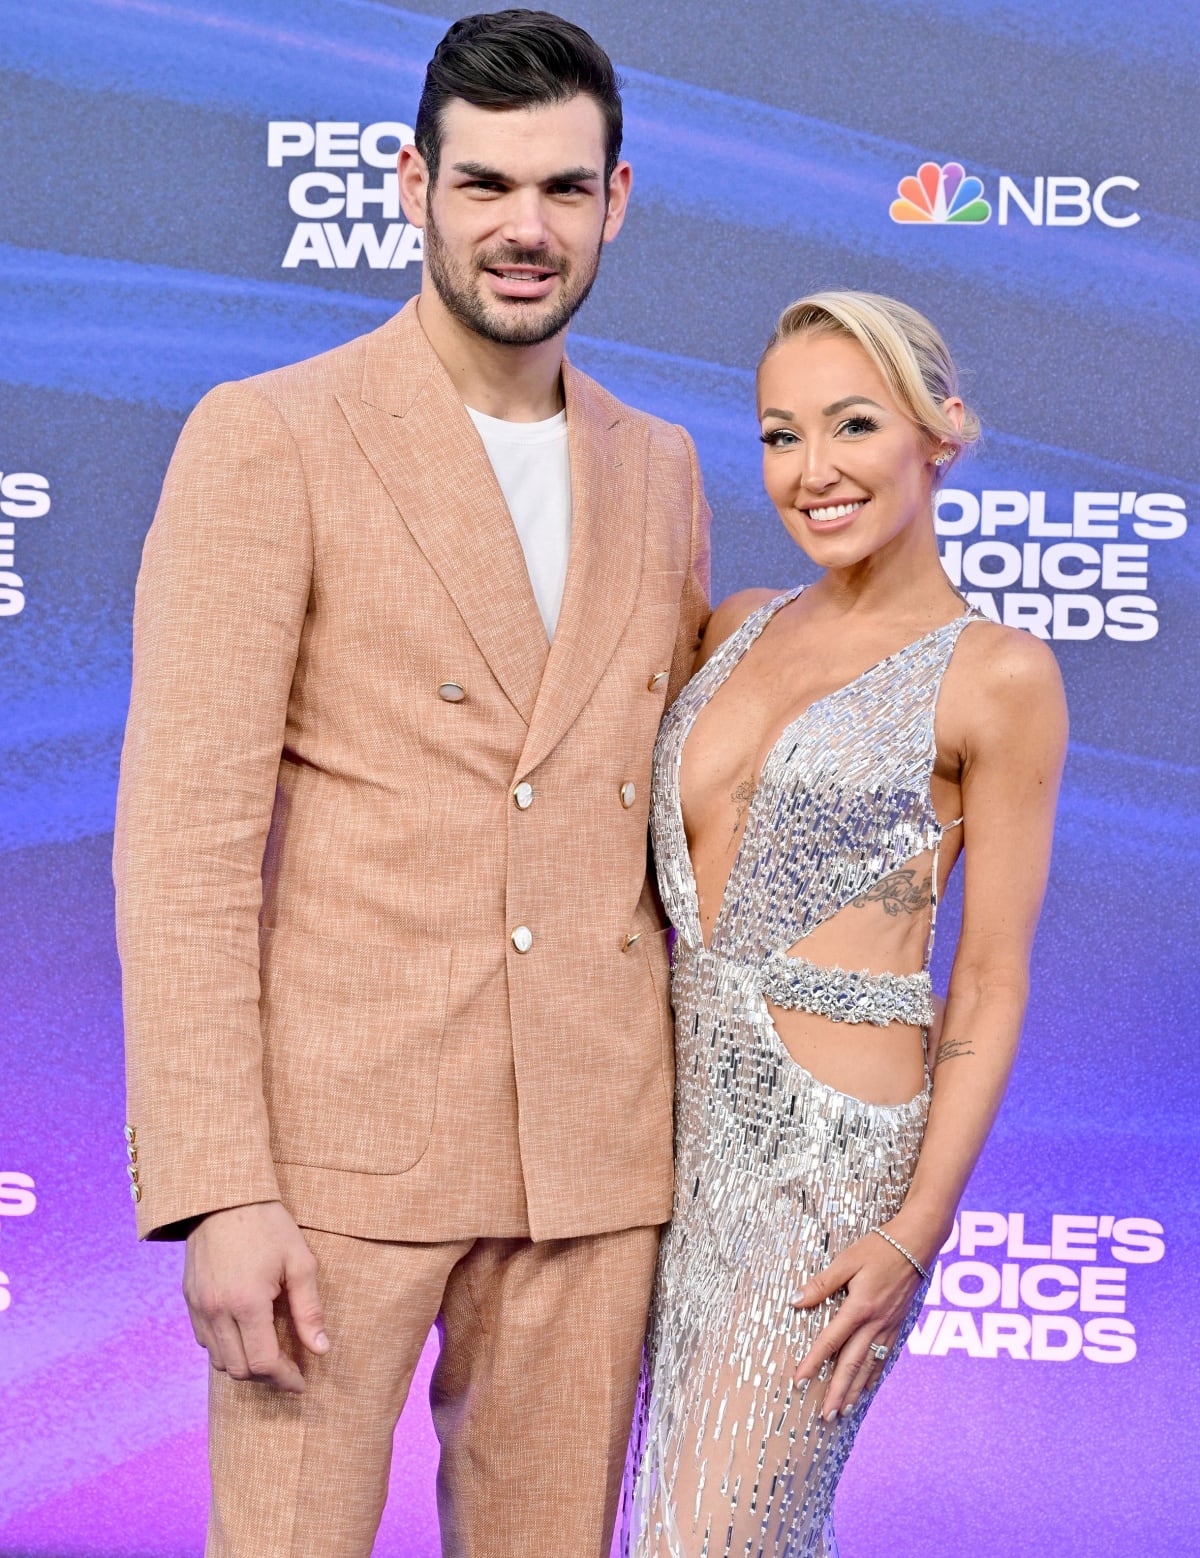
column 462, row 293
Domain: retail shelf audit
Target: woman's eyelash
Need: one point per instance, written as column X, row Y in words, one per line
column 864, row 424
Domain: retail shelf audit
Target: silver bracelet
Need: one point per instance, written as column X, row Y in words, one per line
column 908, row 1255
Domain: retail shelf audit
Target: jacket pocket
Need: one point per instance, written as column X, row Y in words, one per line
column 352, row 1043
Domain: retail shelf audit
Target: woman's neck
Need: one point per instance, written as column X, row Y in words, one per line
column 904, row 578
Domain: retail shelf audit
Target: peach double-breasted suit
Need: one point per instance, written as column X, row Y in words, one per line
column 357, row 782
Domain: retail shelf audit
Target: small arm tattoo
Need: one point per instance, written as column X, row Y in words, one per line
column 951, row 1050
column 899, row 893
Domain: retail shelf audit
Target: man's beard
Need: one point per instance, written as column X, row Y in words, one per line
column 462, row 293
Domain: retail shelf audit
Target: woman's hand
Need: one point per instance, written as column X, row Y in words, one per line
column 880, row 1285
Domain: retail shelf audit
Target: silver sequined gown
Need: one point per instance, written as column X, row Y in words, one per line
column 776, row 1172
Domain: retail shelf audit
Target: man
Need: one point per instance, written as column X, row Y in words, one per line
column 396, row 986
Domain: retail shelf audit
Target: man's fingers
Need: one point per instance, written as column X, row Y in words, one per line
column 239, row 1260
column 199, row 1327
column 225, row 1349
column 267, row 1361
column 304, row 1300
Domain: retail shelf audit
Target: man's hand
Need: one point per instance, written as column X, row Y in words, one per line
column 238, row 1262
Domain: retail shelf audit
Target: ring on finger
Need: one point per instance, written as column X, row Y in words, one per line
column 879, row 1352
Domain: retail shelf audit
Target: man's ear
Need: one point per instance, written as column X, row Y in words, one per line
column 415, row 184
column 619, row 187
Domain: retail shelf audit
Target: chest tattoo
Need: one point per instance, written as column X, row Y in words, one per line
column 741, row 795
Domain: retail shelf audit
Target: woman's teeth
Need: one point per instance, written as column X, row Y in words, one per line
column 836, row 511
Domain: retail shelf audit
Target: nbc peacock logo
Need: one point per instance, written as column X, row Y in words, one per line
column 941, row 194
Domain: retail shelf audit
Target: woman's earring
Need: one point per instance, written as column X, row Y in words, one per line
column 940, row 459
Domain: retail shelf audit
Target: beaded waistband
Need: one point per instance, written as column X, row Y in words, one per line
column 848, row 995
column 840, row 994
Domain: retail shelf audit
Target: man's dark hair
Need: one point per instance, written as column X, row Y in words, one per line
column 517, row 59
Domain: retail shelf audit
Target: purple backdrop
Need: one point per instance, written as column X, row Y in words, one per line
column 175, row 209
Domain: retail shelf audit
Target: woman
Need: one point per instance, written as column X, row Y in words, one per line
column 815, row 783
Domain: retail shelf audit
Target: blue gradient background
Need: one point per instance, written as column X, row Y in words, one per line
column 140, row 239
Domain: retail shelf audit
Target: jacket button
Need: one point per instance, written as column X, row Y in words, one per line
column 523, row 796
column 452, row 692
column 135, row 1193
column 628, row 794
column 130, row 1134
column 522, row 938
column 656, row 681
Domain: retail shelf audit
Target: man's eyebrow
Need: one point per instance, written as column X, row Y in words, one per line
column 774, row 411
column 850, row 400
column 579, row 175
column 480, row 170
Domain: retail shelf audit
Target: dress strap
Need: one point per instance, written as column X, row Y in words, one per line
column 971, row 614
column 933, row 889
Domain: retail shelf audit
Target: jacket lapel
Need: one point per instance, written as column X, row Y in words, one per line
column 608, row 487
column 412, row 426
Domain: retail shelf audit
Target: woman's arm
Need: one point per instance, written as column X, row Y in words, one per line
column 1013, row 725
column 1014, row 749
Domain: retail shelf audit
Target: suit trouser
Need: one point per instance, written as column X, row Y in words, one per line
column 532, row 1399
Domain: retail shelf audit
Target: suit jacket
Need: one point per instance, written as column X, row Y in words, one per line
column 321, row 861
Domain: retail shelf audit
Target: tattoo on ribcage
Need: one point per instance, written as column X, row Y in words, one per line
column 952, row 1050
column 741, row 795
column 900, row 893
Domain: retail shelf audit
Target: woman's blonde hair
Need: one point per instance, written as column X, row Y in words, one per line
column 908, row 351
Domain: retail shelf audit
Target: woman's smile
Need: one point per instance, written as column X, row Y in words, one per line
column 827, row 516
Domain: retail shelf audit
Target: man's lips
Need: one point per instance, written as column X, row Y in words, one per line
column 521, row 281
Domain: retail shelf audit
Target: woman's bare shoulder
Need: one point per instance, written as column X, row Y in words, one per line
column 1008, row 661
column 1010, row 685
column 728, row 617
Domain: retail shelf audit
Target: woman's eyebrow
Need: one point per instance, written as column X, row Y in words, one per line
column 850, row 400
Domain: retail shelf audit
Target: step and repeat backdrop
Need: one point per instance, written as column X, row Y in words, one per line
column 197, row 190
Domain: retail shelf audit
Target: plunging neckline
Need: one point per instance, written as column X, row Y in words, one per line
column 768, row 611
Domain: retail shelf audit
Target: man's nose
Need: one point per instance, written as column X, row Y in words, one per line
column 524, row 219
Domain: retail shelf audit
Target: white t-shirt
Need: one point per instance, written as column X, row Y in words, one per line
column 533, row 467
